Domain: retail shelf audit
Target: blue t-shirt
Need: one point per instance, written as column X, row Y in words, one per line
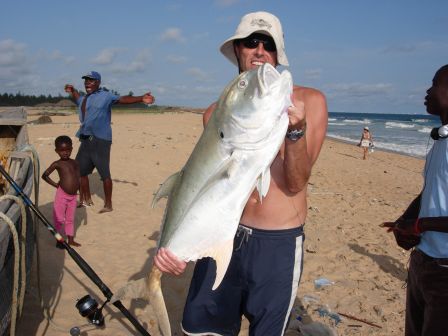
column 98, row 114
column 434, row 202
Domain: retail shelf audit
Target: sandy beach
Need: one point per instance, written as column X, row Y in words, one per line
column 348, row 199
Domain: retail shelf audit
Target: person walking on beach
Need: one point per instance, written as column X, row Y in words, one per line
column 424, row 227
column 64, row 205
column 366, row 142
column 262, row 279
column 95, row 133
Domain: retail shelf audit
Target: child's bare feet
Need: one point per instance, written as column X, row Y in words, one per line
column 71, row 241
column 85, row 204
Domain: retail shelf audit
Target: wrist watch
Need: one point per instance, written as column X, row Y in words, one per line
column 296, row 134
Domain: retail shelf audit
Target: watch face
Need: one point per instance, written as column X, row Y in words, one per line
column 295, row 135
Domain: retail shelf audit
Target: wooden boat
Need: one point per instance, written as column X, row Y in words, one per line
column 16, row 156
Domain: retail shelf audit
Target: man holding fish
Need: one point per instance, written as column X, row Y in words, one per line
column 262, row 278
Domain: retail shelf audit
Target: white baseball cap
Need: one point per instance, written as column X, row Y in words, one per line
column 257, row 22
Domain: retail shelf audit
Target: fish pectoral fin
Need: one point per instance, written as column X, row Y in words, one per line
column 232, row 169
column 165, row 189
column 232, row 164
column 222, row 257
column 263, row 183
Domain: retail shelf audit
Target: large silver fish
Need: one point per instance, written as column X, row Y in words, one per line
column 232, row 157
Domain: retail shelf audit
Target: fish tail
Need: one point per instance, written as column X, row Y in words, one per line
column 155, row 296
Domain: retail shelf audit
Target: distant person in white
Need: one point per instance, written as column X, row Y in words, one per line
column 366, row 142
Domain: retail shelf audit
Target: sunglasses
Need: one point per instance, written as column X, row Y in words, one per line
column 252, row 42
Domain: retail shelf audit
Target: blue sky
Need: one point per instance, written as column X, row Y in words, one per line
column 365, row 56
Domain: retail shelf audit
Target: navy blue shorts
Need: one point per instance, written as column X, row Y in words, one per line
column 260, row 283
column 94, row 153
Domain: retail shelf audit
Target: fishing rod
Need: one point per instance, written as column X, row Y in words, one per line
column 87, row 306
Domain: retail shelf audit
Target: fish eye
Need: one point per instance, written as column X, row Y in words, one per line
column 221, row 134
column 242, row 84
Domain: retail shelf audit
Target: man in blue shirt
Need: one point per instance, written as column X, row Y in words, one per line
column 95, row 133
column 425, row 225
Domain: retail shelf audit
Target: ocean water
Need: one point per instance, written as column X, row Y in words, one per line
column 406, row 134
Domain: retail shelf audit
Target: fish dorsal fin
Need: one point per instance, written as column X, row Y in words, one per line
column 222, row 256
column 263, row 183
column 165, row 189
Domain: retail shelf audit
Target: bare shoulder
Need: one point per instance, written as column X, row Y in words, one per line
column 314, row 101
column 308, row 95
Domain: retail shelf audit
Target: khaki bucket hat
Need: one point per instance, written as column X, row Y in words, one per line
column 257, row 22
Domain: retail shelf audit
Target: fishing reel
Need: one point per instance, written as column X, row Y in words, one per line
column 88, row 307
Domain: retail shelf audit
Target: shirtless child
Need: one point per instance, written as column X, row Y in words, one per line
column 66, row 189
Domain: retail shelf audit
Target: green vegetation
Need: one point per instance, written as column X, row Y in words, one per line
column 19, row 99
column 65, row 103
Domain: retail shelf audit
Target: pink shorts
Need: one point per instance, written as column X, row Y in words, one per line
column 64, row 208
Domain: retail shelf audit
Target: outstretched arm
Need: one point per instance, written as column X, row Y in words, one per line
column 147, row 98
column 72, row 91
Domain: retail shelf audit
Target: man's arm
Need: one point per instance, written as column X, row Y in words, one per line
column 72, row 91
column 310, row 111
column 403, row 228
column 147, row 98
column 439, row 224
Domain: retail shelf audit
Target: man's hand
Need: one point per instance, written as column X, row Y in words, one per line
column 404, row 232
column 148, row 98
column 69, row 88
column 167, row 262
column 296, row 114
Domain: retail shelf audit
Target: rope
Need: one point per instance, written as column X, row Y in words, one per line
column 22, row 249
column 36, row 167
column 15, row 289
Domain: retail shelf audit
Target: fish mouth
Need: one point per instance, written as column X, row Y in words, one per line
column 267, row 75
column 269, row 81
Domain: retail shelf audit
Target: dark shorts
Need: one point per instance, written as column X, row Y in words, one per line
column 427, row 295
column 94, row 153
column 260, row 283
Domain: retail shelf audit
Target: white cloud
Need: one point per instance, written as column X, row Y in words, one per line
column 57, row 55
column 225, row 3
column 138, row 64
column 425, row 46
column 358, row 90
column 172, row 34
column 176, row 59
column 16, row 68
column 187, row 95
column 197, row 74
column 313, row 73
column 106, row 56
column 11, row 53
